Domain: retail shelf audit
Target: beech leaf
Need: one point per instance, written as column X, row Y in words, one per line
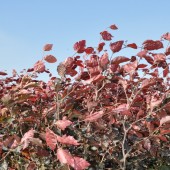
column 67, row 140
column 119, row 59
column 64, row 156
column 94, row 116
column 116, row 46
column 133, row 45
column 62, row 124
column 113, row 27
column 165, row 119
column 106, row 35
column 48, row 47
column 50, row 59
column 26, row 138
column 80, row 163
column 51, row 139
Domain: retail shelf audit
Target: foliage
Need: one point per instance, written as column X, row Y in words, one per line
column 113, row 113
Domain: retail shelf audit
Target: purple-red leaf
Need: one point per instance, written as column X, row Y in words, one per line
column 104, row 60
column 51, row 139
column 142, row 54
column 113, row 27
column 3, row 73
column 89, row 50
column 50, row 59
column 80, row 46
column 166, row 36
column 116, row 46
column 62, row 124
column 152, row 45
column 39, row 66
column 106, row 35
column 69, row 140
column 165, row 119
column 48, row 47
column 94, row 116
column 133, row 45
column 80, row 163
column 64, row 156
column 100, row 46
column 119, row 59
column 26, row 138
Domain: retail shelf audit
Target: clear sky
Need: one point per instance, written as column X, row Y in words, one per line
column 25, row 26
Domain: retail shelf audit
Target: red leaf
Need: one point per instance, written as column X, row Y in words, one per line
column 69, row 140
column 149, row 59
column 100, row 46
column 89, row 50
column 166, row 36
column 76, row 162
column 80, row 46
column 116, row 46
column 62, row 124
column 3, row 73
column 159, row 57
column 166, row 71
column 50, row 59
column 154, row 103
column 162, row 138
column 152, row 45
column 95, row 79
column 165, row 119
column 133, row 45
column 142, row 65
column 167, row 51
column 142, row 54
column 120, row 59
column 113, row 27
column 26, row 138
column 148, row 82
column 106, row 35
column 39, row 67
column 80, row 163
column 121, row 108
column 94, row 116
column 64, row 156
column 147, row 144
column 130, row 67
column 51, row 139
column 104, row 60
column 48, row 47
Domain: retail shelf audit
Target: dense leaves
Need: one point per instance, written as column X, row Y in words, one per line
column 99, row 111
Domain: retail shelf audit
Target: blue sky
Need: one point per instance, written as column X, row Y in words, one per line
column 25, row 26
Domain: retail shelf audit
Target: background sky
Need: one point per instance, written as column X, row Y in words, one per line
column 26, row 26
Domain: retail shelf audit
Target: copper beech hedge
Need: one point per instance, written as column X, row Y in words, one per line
column 101, row 111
